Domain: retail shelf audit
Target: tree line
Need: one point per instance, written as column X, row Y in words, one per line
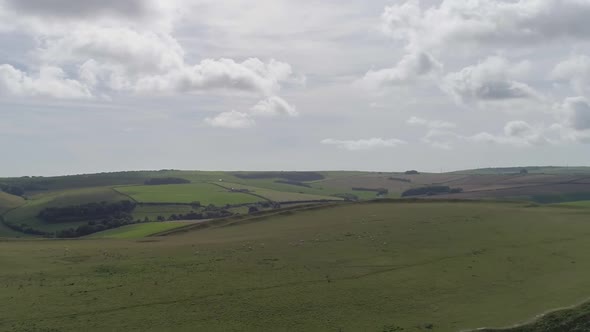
column 12, row 189
column 291, row 176
column 169, row 180
column 379, row 191
column 88, row 211
column 431, row 190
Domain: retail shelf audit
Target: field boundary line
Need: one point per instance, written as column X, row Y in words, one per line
column 124, row 194
column 249, row 193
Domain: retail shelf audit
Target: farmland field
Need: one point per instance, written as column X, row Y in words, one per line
column 205, row 193
column 388, row 266
column 278, row 196
column 27, row 213
column 9, row 202
column 137, row 231
column 581, row 204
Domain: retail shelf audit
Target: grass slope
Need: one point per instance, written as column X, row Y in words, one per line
column 28, row 212
column 9, row 202
column 205, row 193
column 571, row 320
column 279, row 196
column 580, row 204
column 137, row 231
column 355, row 267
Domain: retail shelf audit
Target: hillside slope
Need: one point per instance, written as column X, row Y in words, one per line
column 387, row 266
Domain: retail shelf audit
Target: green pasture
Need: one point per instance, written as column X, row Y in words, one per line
column 137, row 231
column 9, row 202
column 278, row 196
column 27, row 213
column 580, row 204
column 385, row 266
column 205, row 193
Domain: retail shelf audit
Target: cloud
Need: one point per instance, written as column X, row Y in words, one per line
column 518, row 129
column 517, row 133
column 438, row 135
column 50, row 82
column 79, row 9
column 155, row 62
column 270, row 107
column 118, row 48
column 148, row 62
column 576, row 113
column 55, row 17
column 433, row 124
column 486, row 22
column 251, row 75
column 231, row 120
column 412, row 67
column 489, row 80
column 364, row 144
column 576, row 70
column 274, row 106
column 116, row 53
column 440, row 138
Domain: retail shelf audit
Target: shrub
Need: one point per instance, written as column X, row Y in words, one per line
column 161, row 181
column 430, row 190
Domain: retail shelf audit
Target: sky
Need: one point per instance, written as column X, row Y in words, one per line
column 435, row 85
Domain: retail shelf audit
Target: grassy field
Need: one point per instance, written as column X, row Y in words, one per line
column 581, row 204
column 138, row 231
column 355, row 267
column 9, row 202
column 278, row 196
column 28, row 212
column 205, row 193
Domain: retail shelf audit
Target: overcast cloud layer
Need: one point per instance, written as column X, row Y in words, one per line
column 109, row 85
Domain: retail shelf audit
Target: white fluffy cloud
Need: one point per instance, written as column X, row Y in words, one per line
column 133, row 52
column 274, row 106
column 490, row 22
column 146, row 61
column 270, row 107
column 516, row 133
column 412, row 67
column 490, row 80
column 231, row 120
column 576, row 70
column 251, row 75
column 128, row 47
column 364, row 144
column 51, row 82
